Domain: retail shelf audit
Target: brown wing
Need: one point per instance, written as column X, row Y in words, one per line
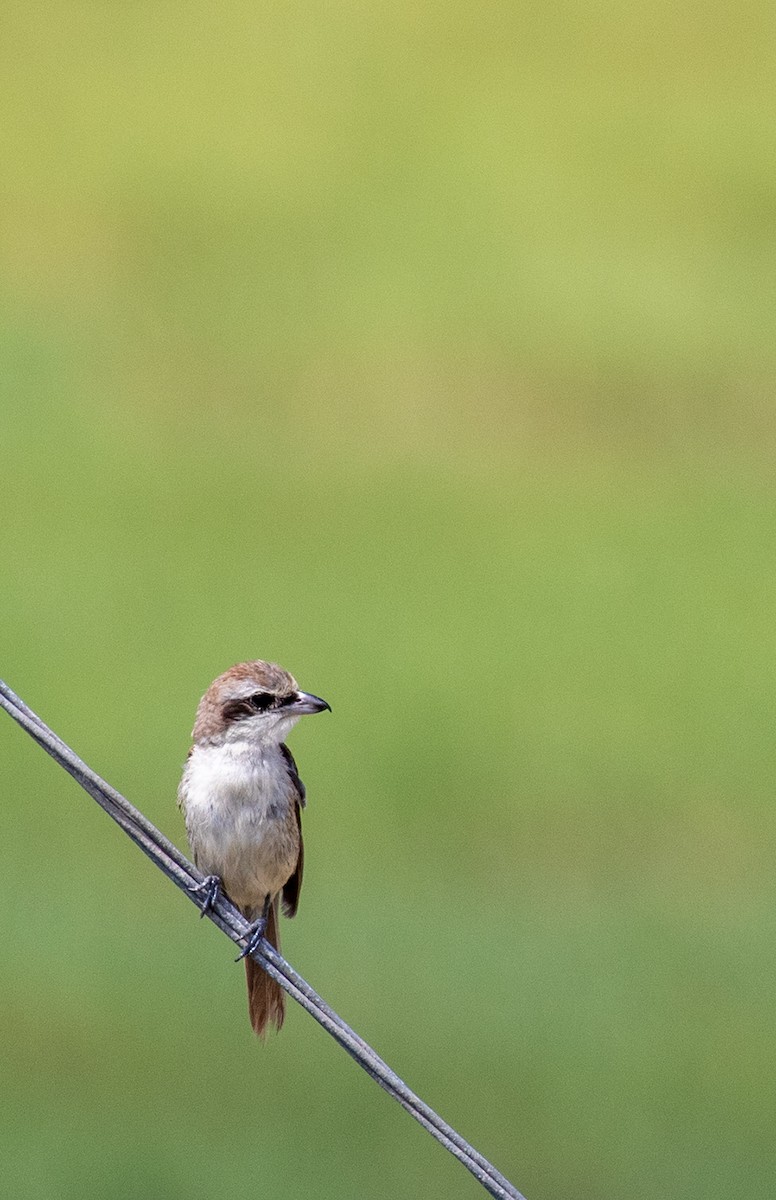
column 293, row 886
column 293, row 773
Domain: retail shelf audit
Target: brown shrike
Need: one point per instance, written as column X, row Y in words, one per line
column 242, row 802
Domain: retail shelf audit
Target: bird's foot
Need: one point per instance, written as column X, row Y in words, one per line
column 212, row 888
column 254, row 935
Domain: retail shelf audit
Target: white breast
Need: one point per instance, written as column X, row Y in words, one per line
column 239, row 806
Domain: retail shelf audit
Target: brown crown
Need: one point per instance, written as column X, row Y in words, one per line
column 221, row 703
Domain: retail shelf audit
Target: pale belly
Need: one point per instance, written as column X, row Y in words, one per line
column 241, row 822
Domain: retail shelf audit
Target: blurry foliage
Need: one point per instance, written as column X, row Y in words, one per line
column 429, row 352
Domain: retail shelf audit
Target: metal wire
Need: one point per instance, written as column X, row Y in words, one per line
column 231, row 922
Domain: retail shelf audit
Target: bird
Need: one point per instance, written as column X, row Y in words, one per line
column 242, row 800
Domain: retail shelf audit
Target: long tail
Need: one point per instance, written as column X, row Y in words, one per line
column 266, row 1002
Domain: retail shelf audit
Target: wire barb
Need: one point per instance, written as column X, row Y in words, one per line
column 230, row 921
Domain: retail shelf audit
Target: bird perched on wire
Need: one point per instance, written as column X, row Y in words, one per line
column 241, row 798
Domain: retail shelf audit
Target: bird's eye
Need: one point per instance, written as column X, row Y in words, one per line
column 261, row 701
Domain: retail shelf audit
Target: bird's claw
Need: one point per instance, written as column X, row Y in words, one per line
column 254, row 935
column 211, row 886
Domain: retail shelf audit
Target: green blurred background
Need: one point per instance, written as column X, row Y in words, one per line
column 427, row 350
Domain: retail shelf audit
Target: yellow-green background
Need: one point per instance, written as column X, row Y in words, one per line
column 427, row 349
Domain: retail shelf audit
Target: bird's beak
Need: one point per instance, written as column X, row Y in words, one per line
column 306, row 703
